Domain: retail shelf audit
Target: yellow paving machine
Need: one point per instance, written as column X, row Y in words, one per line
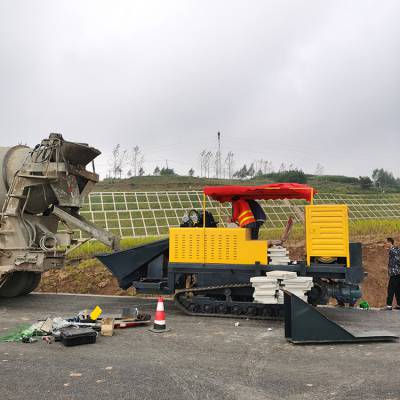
column 208, row 268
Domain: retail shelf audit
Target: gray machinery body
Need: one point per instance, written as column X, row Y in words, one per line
column 39, row 188
column 11, row 160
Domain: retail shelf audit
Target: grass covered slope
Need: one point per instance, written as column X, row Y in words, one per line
column 326, row 183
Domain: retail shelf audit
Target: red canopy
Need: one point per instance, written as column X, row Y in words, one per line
column 273, row 191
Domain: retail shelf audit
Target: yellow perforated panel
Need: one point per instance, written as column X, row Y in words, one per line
column 216, row 246
column 327, row 231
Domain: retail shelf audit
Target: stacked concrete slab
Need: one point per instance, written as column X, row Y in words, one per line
column 269, row 289
column 282, row 275
column 278, row 255
column 265, row 289
column 299, row 286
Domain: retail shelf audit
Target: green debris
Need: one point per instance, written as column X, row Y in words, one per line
column 364, row 304
column 21, row 332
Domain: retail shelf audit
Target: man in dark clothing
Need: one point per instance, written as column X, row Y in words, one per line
column 394, row 274
column 259, row 216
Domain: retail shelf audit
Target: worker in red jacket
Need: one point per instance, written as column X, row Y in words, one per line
column 243, row 216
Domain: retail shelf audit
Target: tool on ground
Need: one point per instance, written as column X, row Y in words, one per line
column 95, row 314
column 160, row 325
column 48, row 339
column 107, row 327
column 122, row 324
column 47, row 326
column 28, row 340
column 129, row 313
column 77, row 336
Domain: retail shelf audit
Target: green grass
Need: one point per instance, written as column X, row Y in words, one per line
column 379, row 229
column 327, row 183
column 93, row 247
column 118, row 215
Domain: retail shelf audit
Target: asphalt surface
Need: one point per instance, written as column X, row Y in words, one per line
column 200, row 358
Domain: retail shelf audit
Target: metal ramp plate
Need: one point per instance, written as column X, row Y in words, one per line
column 305, row 324
column 124, row 264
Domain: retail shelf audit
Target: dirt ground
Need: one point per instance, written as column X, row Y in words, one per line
column 91, row 277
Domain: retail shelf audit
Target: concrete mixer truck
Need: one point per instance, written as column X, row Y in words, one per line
column 39, row 188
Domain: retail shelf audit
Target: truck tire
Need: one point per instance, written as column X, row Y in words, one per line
column 15, row 284
column 33, row 283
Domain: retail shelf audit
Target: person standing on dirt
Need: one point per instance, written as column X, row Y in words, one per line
column 394, row 274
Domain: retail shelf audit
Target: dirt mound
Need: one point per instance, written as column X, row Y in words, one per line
column 375, row 260
column 90, row 276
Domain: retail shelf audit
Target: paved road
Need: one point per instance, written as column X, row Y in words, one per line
column 200, row 358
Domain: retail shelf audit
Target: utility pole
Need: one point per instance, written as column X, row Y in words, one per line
column 218, row 163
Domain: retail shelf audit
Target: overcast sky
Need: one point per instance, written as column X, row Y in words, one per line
column 300, row 82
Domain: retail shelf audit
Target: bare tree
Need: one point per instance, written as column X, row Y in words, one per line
column 263, row 167
column 205, row 163
column 202, row 163
column 208, row 161
column 229, row 164
column 267, row 167
column 282, row 168
column 291, row 167
column 258, row 164
column 136, row 160
column 118, row 161
column 319, row 169
column 251, row 171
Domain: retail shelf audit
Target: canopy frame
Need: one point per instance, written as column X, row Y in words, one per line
column 224, row 194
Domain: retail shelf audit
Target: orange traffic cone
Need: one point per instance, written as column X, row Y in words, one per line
column 159, row 318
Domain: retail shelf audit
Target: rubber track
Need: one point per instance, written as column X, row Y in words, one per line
column 207, row 289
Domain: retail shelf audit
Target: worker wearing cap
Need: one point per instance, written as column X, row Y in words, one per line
column 243, row 216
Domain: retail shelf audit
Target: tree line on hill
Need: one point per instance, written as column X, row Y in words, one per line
column 130, row 164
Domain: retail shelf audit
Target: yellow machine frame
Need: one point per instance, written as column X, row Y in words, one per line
column 327, row 231
column 327, row 236
column 216, row 246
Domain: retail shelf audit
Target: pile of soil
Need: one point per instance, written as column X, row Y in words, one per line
column 90, row 276
column 375, row 261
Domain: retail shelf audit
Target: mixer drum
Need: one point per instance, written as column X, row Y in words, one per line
column 11, row 160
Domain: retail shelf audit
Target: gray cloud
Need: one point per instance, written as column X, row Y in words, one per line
column 296, row 82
